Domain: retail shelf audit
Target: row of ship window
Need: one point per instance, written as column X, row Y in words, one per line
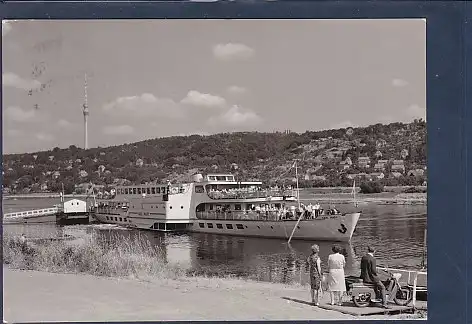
column 152, row 190
column 110, row 218
column 140, row 191
column 228, row 226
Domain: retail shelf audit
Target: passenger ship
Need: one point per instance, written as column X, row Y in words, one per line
column 221, row 205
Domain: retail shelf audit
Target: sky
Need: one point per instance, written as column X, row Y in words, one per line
column 159, row 78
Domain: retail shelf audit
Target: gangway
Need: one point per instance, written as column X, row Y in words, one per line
column 31, row 213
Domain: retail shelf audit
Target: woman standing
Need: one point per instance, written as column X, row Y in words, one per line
column 336, row 280
column 314, row 264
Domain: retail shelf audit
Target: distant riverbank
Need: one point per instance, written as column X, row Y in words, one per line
column 42, row 195
column 379, row 199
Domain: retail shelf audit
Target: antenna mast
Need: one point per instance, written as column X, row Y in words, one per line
column 86, row 113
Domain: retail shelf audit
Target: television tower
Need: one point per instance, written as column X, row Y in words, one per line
column 86, row 114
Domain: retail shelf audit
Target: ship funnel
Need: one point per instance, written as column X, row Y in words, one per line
column 198, row 177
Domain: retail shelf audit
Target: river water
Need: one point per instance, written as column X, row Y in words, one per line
column 396, row 230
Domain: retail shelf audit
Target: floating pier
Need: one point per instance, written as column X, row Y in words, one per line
column 67, row 213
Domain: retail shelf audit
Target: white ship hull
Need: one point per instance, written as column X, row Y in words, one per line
column 326, row 228
column 339, row 228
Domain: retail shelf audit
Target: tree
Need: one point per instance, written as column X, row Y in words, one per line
column 371, row 187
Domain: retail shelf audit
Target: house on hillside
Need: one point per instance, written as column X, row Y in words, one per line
column 398, row 166
column 404, row 153
column 396, row 175
column 334, row 154
column 378, row 154
column 363, row 162
column 380, row 165
column 361, row 175
column 83, row 173
column 415, row 173
column 315, row 177
column 346, row 164
column 380, row 143
column 378, row 175
column 56, row 174
column 139, row 162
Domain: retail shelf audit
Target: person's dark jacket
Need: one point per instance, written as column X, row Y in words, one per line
column 369, row 269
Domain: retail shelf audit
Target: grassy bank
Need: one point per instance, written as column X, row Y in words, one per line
column 118, row 257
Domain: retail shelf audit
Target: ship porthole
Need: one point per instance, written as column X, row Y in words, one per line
column 170, row 207
column 181, row 207
column 272, row 227
column 298, row 227
column 245, row 226
column 258, row 227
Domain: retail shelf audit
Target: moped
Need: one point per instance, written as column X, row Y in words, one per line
column 364, row 294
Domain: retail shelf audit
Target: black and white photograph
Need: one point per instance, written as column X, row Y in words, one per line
column 211, row 169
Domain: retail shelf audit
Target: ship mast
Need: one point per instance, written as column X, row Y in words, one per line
column 298, row 200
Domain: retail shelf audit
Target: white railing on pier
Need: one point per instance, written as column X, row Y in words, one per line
column 412, row 280
column 32, row 213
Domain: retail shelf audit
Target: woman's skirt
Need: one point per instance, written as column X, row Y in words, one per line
column 336, row 281
column 315, row 281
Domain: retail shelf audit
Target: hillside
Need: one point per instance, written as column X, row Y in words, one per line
column 385, row 153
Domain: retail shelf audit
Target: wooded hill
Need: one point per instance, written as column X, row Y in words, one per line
column 322, row 159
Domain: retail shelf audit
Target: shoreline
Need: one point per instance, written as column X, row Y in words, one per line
column 399, row 199
column 69, row 297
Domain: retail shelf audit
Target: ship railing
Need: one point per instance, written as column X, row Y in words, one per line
column 240, row 215
column 236, row 194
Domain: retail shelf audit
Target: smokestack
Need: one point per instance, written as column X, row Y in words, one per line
column 86, row 114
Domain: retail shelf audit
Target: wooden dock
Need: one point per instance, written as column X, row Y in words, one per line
column 349, row 308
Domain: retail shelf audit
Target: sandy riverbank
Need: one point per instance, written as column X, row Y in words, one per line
column 41, row 296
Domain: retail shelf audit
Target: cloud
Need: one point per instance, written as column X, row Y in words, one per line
column 19, row 115
column 14, row 132
column 235, row 90
column 44, row 137
column 64, row 123
column 236, row 116
column 415, row 111
column 118, row 130
column 196, row 98
column 145, row 105
column 6, row 27
column 15, row 81
column 398, row 83
column 232, row 51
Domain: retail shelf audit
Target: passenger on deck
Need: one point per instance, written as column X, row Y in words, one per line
column 309, row 210
column 317, row 210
